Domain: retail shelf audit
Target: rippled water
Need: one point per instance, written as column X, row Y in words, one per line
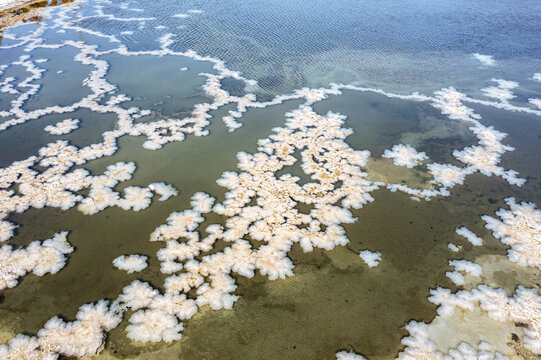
column 334, row 301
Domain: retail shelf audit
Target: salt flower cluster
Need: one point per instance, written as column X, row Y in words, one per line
column 131, row 263
column 259, row 206
column 405, row 155
column 62, row 127
column 463, row 266
column 345, row 355
column 336, row 172
column 520, row 228
column 419, row 346
column 469, row 235
column 371, row 259
column 523, row 307
column 502, row 91
column 39, row 257
column 486, row 60
column 535, row 102
column 83, row 337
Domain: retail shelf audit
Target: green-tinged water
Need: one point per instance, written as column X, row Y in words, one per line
column 333, row 301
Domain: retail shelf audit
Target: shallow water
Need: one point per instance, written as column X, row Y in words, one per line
column 333, row 301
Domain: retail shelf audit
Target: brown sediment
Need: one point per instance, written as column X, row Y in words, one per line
column 26, row 11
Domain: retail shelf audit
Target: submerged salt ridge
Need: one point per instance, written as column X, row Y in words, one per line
column 274, row 219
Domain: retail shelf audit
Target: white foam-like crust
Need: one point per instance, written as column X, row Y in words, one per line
column 537, row 76
column 371, row 259
column 456, row 277
column 449, row 175
column 502, row 91
column 202, row 202
column 405, row 155
column 466, row 266
column 453, row 247
column 486, row 60
column 131, row 263
column 164, row 190
column 62, row 127
column 346, row 355
column 469, row 235
column 420, row 346
column 535, row 102
column 39, row 257
column 154, row 325
column 523, row 307
column 520, row 228
column 210, row 276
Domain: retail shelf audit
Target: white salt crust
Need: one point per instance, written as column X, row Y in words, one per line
column 345, row 355
column 486, row 60
column 520, row 228
column 523, row 307
column 131, row 263
column 371, row 259
column 39, row 257
column 405, row 155
column 462, row 266
column 274, row 219
column 469, row 235
column 62, row 127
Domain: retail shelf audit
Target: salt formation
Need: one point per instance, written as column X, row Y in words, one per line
column 62, row 127
column 345, row 355
column 486, row 60
column 258, row 206
column 272, row 219
column 371, row 259
column 520, row 228
column 469, row 235
column 405, row 155
column 448, row 175
column 535, row 102
column 464, row 266
column 537, row 76
column 502, row 92
column 165, row 190
column 485, row 156
column 40, row 258
column 419, row 346
column 524, row 307
column 131, row 264
column 453, row 247
column 83, row 337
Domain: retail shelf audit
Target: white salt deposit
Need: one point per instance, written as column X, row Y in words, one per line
column 535, row 102
column 131, row 263
column 338, row 183
column 520, row 228
column 345, row 355
column 486, row 60
column 463, row 266
column 40, row 258
column 537, row 76
column 502, row 92
column 164, row 190
column 371, row 259
column 456, row 277
column 469, row 235
column 405, row 155
column 453, row 247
